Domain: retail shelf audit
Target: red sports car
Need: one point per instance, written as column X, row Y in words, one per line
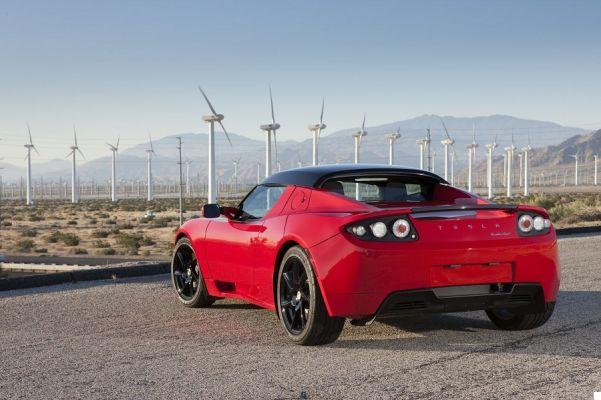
column 322, row 244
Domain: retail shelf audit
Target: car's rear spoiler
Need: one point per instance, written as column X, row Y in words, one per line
column 464, row 207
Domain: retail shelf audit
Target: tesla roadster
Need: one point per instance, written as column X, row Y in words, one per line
column 319, row 245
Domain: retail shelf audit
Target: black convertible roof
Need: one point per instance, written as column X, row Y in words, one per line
column 316, row 175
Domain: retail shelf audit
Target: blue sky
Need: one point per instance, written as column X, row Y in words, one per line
column 123, row 67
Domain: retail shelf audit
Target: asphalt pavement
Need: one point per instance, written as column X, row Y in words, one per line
column 130, row 338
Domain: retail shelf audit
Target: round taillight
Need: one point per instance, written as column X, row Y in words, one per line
column 401, row 228
column 525, row 223
column 359, row 230
column 539, row 223
column 379, row 229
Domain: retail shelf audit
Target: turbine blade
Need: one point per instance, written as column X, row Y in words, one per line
column 74, row 136
column 150, row 141
column 271, row 102
column 226, row 134
column 445, row 129
column 207, row 100
column 363, row 124
column 118, row 138
column 84, row 157
column 29, row 131
column 70, row 153
column 321, row 116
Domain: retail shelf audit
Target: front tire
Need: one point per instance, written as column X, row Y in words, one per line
column 187, row 278
column 509, row 320
column 300, row 304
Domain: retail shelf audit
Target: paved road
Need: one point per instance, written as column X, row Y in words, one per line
column 131, row 339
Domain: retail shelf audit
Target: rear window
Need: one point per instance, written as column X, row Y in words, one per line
column 376, row 189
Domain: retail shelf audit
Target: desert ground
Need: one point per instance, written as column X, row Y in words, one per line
column 139, row 229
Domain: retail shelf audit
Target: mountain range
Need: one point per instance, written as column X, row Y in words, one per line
column 334, row 147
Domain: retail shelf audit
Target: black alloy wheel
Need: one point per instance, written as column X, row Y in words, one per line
column 299, row 302
column 187, row 277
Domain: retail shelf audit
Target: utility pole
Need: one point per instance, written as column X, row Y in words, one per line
column 181, row 183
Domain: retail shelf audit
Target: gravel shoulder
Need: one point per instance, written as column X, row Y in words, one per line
column 130, row 338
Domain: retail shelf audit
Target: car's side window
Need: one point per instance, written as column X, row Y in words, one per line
column 260, row 201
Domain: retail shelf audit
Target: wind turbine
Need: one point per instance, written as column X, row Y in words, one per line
column 269, row 130
column 316, row 133
column 149, row 153
column 596, row 157
column 392, row 137
column 422, row 149
column 489, row 177
column 446, row 143
column 525, row 151
column 74, row 182
column 358, row 137
column 188, row 188
column 29, row 146
column 575, row 169
column 114, row 149
column 236, row 163
column 471, row 156
column 509, row 151
column 211, row 119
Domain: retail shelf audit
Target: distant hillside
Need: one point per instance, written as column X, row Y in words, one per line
column 333, row 147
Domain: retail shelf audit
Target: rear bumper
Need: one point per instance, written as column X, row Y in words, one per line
column 527, row 297
column 356, row 279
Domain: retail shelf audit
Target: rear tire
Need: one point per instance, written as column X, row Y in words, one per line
column 300, row 304
column 509, row 320
column 186, row 276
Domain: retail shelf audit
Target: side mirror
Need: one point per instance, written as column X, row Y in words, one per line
column 211, row 211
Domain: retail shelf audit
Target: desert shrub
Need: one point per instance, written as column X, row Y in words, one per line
column 147, row 241
column 103, row 215
column 125, row 226
column 101, row 244
column 107, row 251
column 69, row 239
column 93, row 221
column 110, row 222
column 72, row 222
column 146, row 253
column 54, row 237
column 130, row 241
column 24, row 245
column 7, row 223
column 30, row 232
column 79, row 251
column 41, row 251
column 35, row 218
column 101, row 233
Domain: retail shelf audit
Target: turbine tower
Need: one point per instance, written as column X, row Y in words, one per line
column 114, row 149
column 446, row 143
column 525, row 151
column 269, row 130
column 575, row 169
column 316, row 130
column 29, row 146
column 149, row 153
column 422, row 149
column 471, row 158
column 211, row 119
column 392, row 137
column 489, row 177
column 358, row 137
column 596, row 157
column 509, row 152
column 74, row 181
column 188, row 188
